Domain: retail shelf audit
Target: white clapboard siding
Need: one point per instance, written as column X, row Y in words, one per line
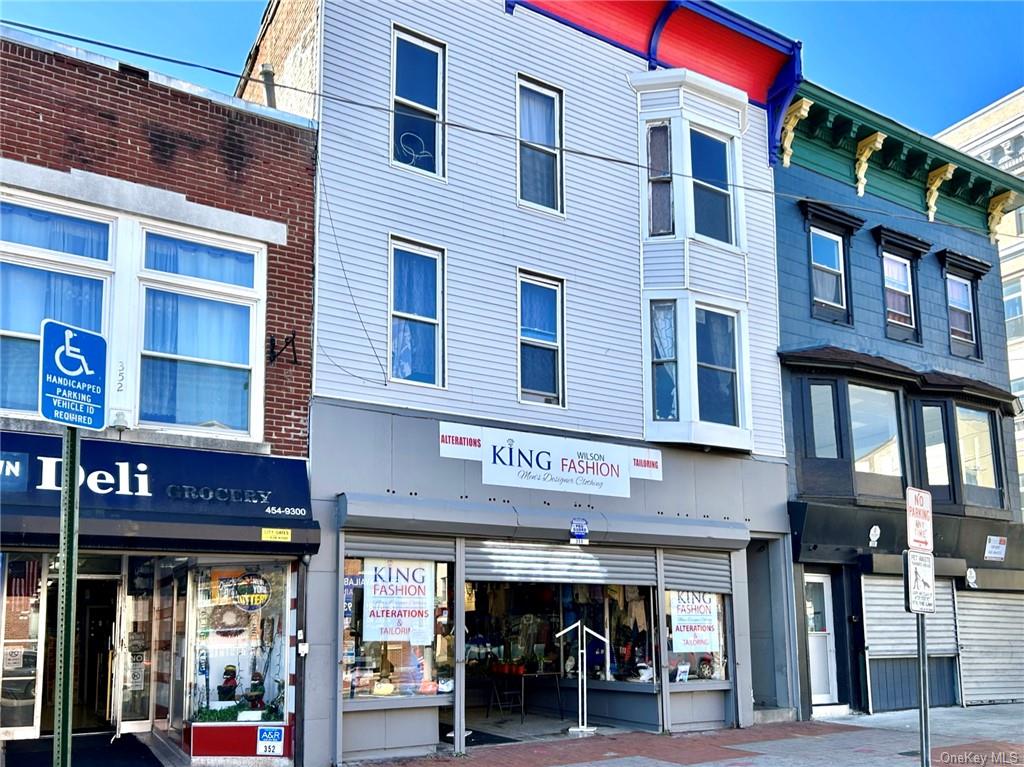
column 991, row 626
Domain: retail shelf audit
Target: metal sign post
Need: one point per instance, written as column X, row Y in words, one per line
column 582, row 727
column 919, row 597
column 72, row 392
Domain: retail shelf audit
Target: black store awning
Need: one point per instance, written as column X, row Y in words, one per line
column 136, row 497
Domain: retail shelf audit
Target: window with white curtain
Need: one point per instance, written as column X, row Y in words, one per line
column 828, row 268
column 960, row 297
column 540, row 340
column 183, row 329
column 664, row 361
column 54, row 266
column 417, row 298
column 540, row 145
column 899, row 290
column 417, row 94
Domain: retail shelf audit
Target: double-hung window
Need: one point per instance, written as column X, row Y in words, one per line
column 712, row 192
column 199, row 321
column 960, row 297
column 1013, row 307
column 899, row 292
column 828, row 269
column 540, row 145
column 54, row 266
column 540, row 340
column 717, row 390
column 417, row 309
column 661, row 220
column 664, row 361
column 417, row 129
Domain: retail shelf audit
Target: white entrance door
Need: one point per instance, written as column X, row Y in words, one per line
column 821, row 640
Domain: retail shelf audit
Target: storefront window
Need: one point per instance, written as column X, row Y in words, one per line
column 241, row 642
column 20, row 575
column 697, row 648
column 512, row 627
column 397, row 628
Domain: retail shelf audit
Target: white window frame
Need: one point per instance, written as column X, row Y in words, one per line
column 842, row 266
column 440, row 113
column 970, row 310
column 652, row 180
column 532, row 83
column 558, row 284
column 221, row 292
column 125, row 278
column 731, row 154
column 737, row 353
column 440, row 257
column 908, row 293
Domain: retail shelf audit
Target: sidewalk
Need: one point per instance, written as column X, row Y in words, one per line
column 983, row 736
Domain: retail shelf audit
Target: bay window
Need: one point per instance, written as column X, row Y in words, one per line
column 418, row 88
column 712, row 191
column 194, row 362
column 874, row 426
column 417, row 334
column 974, row 439
column 539, row 121
column 540, row 340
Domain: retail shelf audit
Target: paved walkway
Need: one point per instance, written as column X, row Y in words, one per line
column 982, row 736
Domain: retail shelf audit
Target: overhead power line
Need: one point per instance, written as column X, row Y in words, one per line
column 386, row 108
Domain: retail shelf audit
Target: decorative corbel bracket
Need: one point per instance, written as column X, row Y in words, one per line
column 797, row 111
column 865, row 148
column 935, row 179
column 996, row 206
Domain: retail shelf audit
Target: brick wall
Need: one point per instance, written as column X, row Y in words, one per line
column 63, row 113
column 289, row 39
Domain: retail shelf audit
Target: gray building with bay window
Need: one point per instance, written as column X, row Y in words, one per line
column 895, row 374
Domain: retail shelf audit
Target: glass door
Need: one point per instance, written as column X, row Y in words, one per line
column 136, row 642
column 22, row 614
column 179, row 646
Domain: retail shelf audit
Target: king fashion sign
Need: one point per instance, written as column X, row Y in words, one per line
column 543, row 462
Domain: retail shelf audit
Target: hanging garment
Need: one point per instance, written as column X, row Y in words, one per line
column 638, row 614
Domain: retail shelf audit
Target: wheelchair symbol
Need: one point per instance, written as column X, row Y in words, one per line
column 71, row 352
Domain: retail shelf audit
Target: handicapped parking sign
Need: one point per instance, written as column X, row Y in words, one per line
column 72, row 376
column 270, row 741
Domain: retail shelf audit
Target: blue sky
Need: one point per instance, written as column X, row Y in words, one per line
column 926, row 64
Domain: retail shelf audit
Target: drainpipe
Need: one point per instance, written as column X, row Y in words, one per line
column 267, row 73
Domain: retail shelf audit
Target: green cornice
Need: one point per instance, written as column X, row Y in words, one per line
column 826, row 141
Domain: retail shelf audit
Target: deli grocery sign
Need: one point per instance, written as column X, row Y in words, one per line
column 542, row 462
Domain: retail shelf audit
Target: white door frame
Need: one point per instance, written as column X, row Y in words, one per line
column 832, row 696
column 28, row 732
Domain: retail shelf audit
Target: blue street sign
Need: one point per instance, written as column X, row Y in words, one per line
column 72, row 376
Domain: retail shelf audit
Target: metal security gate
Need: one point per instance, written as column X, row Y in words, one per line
column 890, row 643
column 991, row 625
column 552, row 563
column 378, row 546
column 698, row 570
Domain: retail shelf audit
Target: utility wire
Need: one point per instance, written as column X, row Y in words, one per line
column 492, row 133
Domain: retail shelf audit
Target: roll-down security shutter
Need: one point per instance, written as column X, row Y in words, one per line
column 397, row 547
column 552, row 563
column 697, row 570
column 991, row 625
column 890, row 631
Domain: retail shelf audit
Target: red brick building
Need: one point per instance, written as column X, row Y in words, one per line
column 179, row 223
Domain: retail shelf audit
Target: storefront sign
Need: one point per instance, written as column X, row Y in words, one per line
column 694, row 616
column 579, row 531
column 919, row 520
column 523, row 459
column 918, row 582
column 995, row 548
column 129, row 485
column 270, row 741
column 251, row 592
column 398, row 601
